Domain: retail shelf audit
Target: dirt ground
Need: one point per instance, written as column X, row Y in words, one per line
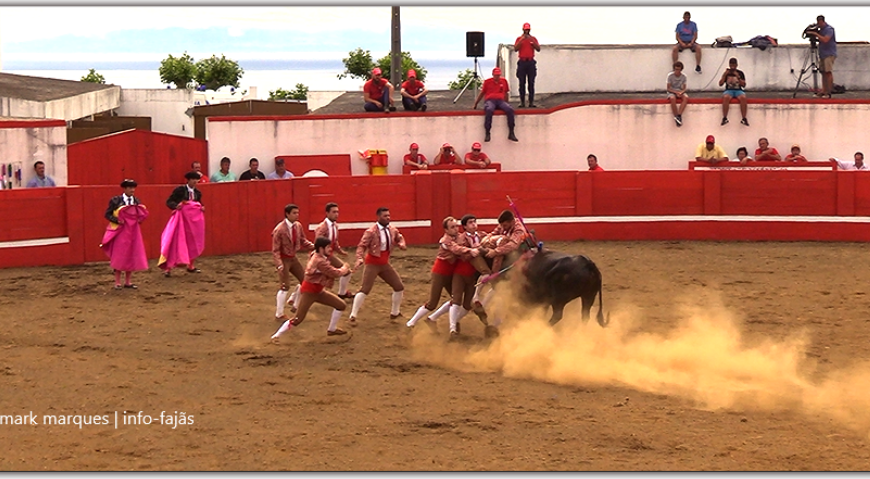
column 718, row 356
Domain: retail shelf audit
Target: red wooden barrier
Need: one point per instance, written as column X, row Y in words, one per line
column 332, row 165
column 145, row 156
column 764, row 165
column 406, row 170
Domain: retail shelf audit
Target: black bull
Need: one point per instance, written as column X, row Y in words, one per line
column 555, row 279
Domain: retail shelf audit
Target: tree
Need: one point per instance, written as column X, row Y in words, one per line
column 462, row 78
column 408, row 63
column 358, row 64
column 178, row 71
column 215, row 72
column 94, row 77
column 299, row 93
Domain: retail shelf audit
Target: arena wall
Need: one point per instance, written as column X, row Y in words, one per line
column 625, row 135
column 64, row 226
column 25, row 142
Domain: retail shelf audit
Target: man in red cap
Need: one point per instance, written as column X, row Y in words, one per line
column 526, row 46
column 413, row 93
column 446, row 156
column 497, row 93
column 710, row 152
column 378, row 93
column 414, row 159
column 477, row 158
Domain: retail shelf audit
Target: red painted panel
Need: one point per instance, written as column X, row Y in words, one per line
column 846, row 193
column 32, row 123
column 332, row 165
column 779, row 193
column 621, row 193
column 712, row 193
column 32, row 213
column 862, row 194
column 584, row 192
column 495, row 167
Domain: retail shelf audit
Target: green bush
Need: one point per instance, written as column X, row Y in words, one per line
column 462, row 78
column 215, row 72
column 94, row 77
column 359, row 64
column 299, row 93
column 178, row 71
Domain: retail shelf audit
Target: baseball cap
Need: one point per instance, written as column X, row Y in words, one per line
column 526, row 26
column 446, row 145
column 414, row 146
column 710, row 139
column 412, row 73
column 475, row 146
column 795, row 146
column 376, row 71
column 496, row 71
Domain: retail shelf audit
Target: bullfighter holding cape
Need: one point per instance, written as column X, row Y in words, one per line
column 122, row 240
column 183, row 238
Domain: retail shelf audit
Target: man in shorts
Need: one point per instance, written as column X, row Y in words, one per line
column 734, row 81
column 677, row 86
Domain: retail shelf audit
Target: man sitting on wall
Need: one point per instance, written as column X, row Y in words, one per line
column 378, row 93
column 413, row 93
column 710, row 152
column 280, row 172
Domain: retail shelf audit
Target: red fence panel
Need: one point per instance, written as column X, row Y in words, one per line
column 790, row 193
column 632, row 193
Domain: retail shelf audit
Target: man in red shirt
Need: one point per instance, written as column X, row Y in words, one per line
column 592, row 160
column 413, row 93
column 414, row 159
column 378, row 92
column 497, row 93
column 526, row 46
column 477, row 158
column 765, row 152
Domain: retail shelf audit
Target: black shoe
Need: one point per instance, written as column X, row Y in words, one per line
column 522, row 104
column 392, row 108
column 423, row 108
column 724, row 121
column 486, row 138
column 678, row 120
column 698, row 69
column 532, row 105
column 512, row 137
column 744, row 122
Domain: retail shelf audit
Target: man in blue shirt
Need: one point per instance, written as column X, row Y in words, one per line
column 687, row 36
column 41, row 179
column 827, row 54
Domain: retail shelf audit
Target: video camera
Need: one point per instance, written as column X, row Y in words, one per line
column 814, row 28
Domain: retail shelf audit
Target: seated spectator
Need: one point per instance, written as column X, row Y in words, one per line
column 413, row 93
column 734, row 81
column 687, row 36
column 280, row 172
column 858, row 164
column 592, row 161
column 224, row 174
column 41, row 179
column 197, row 167
column 710, row 152
column 447, row 156
column 743, row 155
column 378, row 93
column 765, row 153
column 676, row 87
column 254, row 173
column 795, row 154
column 477, row 158
column 414, row 159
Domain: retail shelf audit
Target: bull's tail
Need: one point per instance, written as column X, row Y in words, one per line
column 600, row 318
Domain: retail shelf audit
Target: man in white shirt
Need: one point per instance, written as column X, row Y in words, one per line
column 858, row 164
column 280, row 172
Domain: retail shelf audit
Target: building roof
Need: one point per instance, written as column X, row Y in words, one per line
column 32, row 88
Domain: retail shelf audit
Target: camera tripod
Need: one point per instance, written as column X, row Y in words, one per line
column 811, row 63
column 473, row 79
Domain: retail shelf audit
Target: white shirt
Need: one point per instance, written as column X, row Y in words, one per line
column 849, row 165
column 190, row 193
column 332, row 228
column 474, row 238
column 128, row 200
column 384, row 237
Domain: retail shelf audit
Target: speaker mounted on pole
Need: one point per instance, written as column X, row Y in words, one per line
column 474, row 44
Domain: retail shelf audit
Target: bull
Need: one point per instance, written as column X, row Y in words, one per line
column 554, row 279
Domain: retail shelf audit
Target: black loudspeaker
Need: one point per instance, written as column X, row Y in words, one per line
column 474, row 44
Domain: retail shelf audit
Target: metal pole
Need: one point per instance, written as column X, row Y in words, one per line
column 396, row 51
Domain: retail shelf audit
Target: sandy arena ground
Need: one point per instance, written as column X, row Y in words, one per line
column 719, row 356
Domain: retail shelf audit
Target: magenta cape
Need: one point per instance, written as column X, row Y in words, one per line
column 122, row 242
column 183, row 238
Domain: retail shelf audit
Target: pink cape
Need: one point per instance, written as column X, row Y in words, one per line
column 123, row 242
column 183, row 238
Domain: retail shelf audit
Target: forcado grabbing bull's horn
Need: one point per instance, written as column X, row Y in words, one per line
column 530, row 240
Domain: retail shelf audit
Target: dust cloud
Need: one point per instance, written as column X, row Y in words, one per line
column 705, row 358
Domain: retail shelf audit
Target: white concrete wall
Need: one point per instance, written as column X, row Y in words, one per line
column 28, row 145
column 624, row 137
column 166, row 108
column 70, row 108
column 644, row 68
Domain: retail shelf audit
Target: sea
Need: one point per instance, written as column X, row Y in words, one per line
column 266, row 75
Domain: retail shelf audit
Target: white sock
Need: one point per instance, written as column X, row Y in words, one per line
column 295, row 295
column 463, row 313
column 397, row 302
column 333, row 320
column 283, row 329
column 440, row 311
column 342, row 284
column 282, row 300
column 421, row 311
column 477, row 290
column 454, row 316
column 358, row 301
column 488, row 297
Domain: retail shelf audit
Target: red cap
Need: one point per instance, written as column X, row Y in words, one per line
column 376, row 71
column 446, row 145
column 414, row 146
column 710, row 139
column 496, row 71
column 475, row 146
column 526, row 26
column 412, row 73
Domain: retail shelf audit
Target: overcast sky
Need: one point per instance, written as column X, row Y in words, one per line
column 426, row 31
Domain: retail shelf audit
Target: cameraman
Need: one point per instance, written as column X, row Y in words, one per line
column 827, row 54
